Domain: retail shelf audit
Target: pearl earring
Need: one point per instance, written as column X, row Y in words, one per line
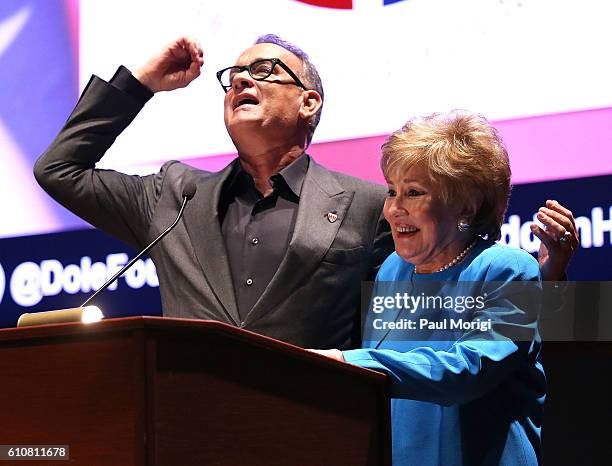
column 463, row 225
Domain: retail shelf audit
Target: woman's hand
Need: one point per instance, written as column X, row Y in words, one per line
column 559, row 240
column 330, row 353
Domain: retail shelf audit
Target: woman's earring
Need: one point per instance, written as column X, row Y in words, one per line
column 463, row 225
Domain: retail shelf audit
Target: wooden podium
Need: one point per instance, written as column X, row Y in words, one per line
column 156, row 391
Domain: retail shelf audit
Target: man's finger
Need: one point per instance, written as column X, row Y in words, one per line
column 194, row 70
column 190, row 45
column 197, row 49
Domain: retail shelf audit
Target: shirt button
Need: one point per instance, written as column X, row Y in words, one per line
column 255, row 240
column 249, row 281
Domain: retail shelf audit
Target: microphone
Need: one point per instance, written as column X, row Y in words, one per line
column 189, row 191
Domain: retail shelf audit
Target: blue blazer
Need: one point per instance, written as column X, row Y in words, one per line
column 471, row 394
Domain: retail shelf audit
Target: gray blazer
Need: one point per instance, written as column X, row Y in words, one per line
column 313, row 299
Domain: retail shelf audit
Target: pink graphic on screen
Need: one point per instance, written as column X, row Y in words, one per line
column 541, row 148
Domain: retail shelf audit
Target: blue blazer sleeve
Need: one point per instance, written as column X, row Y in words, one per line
column 478, row 361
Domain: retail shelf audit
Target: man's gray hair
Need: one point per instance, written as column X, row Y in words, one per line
column 310, row 75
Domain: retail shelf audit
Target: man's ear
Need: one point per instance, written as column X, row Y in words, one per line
column 311, row 103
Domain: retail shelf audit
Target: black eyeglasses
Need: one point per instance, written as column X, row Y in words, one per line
column 259, row 71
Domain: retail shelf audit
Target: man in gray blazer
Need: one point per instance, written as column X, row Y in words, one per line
column 273, row 243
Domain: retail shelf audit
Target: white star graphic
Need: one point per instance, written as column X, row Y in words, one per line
column 12, row 26
column 25, row 205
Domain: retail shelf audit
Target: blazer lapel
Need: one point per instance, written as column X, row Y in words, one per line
column 313, row 234
column 204, row 230
column 392, row 316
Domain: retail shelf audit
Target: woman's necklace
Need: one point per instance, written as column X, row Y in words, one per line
column 457, row 259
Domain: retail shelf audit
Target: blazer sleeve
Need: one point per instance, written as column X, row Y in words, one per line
column 476, row 362
column 119, row 204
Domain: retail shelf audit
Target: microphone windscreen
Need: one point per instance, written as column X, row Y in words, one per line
column 189, row 190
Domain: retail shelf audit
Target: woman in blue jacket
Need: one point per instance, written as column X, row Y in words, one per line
column 453, row 316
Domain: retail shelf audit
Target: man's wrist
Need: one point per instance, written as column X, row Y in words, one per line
column 126, row 82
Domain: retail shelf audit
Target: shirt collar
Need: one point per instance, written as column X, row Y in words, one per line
column 291, row 177
column 293, row 174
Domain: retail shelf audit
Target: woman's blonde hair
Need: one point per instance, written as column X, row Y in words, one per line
column 465, row 158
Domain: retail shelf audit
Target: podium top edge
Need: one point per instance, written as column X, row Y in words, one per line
column 180, row 326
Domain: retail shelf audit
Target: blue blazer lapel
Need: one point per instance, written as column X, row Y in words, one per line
column 374, row 338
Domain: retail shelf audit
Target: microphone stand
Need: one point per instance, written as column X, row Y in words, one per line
column 140, row 254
